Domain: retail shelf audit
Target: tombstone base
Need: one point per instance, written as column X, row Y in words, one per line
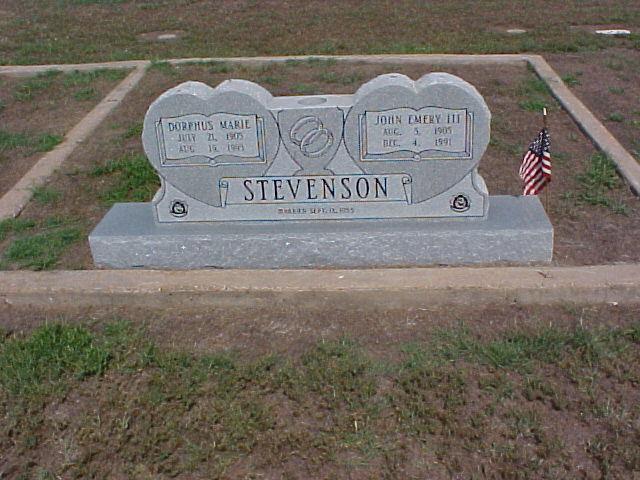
column 516, row 230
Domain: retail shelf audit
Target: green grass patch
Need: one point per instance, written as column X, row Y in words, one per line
column 133, row 131
column 535, row 95
column 339, row 372
column 334, row 78
column 27, row 90
column 134, row 179
column 42, row 142
column 303, row 89
column 616, row 90
column 40, row 364
column 533, row 105
column 533, row 86
column 616, row 117
column 85, row 94
column 518, row 350
column 572, row 79
column 79, row 78
column 598, row 182
column 163, row 67
column 46, row 195
column 46, row 142
column 40, row 250
column 15, row 225
column 270, row 80
column 219, row 67
column 615, row 65
column 9, row 141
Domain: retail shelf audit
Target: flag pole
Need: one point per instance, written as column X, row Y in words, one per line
column 546, row 190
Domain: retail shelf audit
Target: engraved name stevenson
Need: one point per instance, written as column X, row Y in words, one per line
column 317, row 188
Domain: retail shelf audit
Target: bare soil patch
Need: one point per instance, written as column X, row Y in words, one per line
column 608, row 83
column 492, row 392
column 35, row 114
column 111, row 166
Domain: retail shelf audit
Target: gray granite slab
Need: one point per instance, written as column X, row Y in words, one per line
column 390, row 150
column 516, row 229
column 387, row 176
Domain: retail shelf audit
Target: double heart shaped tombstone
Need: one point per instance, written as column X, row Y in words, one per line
column 435, row 130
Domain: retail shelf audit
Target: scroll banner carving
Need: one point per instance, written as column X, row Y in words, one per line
column 315, row 189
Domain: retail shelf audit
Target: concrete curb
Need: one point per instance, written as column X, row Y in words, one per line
column 362, row 289
column 489, row 59
column 31, row 70
column 383, row 288
column 12, row 202
column 451, row 59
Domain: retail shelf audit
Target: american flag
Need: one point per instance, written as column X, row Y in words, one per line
column 535, row 170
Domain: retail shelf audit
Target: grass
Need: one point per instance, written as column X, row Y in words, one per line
column 133, row 131
column 180, row 413
column 42, row 142
column 535, row 95
column 59, row 32
column 517, row 351
column 135, row 179
column 41, row 249
column 163, row 67
column 572, row 79
column 334, row 78
column 79, row 82
column 85, row 93
column 615, row 65
column 15, row 225
column 303, row 89
column 616, row 117
column 219, row 67
column 39, row 365
column 30, row 88
column 45, row 142
column 9, row 141
column 79, row 78
column 46, row 195
column 598, row 183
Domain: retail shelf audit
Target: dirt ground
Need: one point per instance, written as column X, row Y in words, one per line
column 284, row 328
column 49, row 104
column 608, row 83
column 584, row 232
column 493, row 392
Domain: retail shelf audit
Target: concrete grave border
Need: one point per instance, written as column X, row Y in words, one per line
column 12, row 202
column 374, row 287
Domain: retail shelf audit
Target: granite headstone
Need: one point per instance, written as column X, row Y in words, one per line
column 386, row 176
